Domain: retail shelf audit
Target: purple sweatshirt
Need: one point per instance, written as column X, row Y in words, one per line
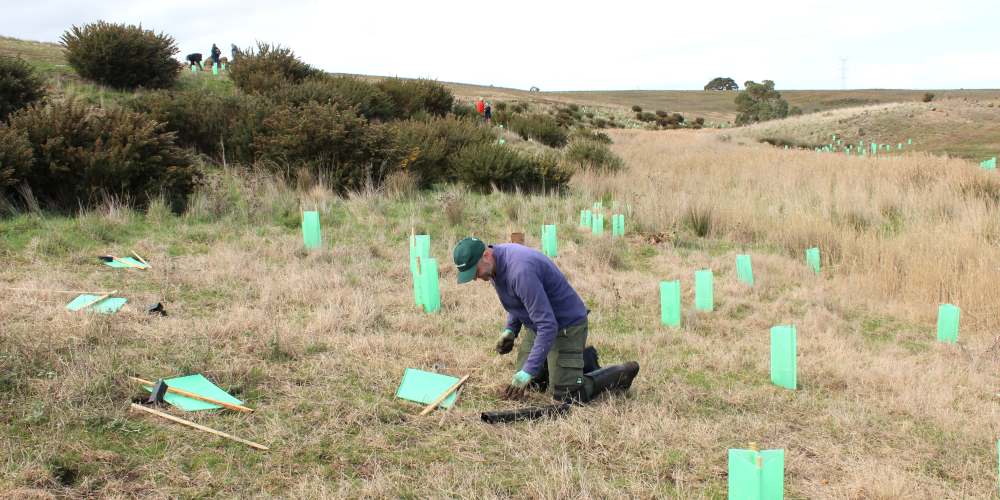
column 535, row 294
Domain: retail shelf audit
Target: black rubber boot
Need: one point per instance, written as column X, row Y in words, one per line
column 616, row 378
column 590, row 360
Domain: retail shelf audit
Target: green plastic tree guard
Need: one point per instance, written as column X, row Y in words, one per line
column 310, row 230
column 756, row 475
column 223, row 66
column 194, row 69
column 598, row 205
column 549, row 240
column 744, row 271
column 420, row 250
column 617, row 225
column 783, row 370
column 670, row 303
column 215, row 68
column 909, row 141
column 598, row 226
column 874, row 148
column 947, row 326
column 431, row 292
column 812, row 259
column 703, row 299
column 899, row 146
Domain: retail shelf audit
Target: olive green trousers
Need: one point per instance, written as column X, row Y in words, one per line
column 565, row 362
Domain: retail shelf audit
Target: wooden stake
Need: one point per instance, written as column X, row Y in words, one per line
column 98, row 299
column 140, row 259
column 429, row 408
column 199, row 427
column 199, row 397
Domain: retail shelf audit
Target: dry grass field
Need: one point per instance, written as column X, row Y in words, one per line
column 317, row 342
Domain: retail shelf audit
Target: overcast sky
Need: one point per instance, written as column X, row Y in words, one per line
column 580, row 45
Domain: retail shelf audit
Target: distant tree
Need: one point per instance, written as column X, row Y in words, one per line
column 720, row 83
column 759, row 102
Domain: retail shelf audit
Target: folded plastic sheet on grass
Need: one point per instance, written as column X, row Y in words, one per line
column 424, row 387
column 125, row 262
column 109, row 305
column 196, row 384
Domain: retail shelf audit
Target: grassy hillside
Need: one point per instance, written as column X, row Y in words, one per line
column 963, row 127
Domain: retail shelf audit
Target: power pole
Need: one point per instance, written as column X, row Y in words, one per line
column 843, row 73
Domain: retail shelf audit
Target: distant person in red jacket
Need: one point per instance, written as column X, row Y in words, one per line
column 480, row 106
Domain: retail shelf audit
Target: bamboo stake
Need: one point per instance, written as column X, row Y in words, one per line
column 199, row 427
column 429, row 408
column 140, row 259
column 98, row 299
column 199, row 397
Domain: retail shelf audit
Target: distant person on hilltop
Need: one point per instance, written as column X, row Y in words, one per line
column 488, row 113
column 194, row 59
column 216, row 53
column 233, row 50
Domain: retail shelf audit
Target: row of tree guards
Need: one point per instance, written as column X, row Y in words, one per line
column 874, row 148
column 753, row 474
column 215, row 68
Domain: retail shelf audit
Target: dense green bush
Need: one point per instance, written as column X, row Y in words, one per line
column 485, row 166
column 81, row 154
column 636, row 108
column 208, row 122
column 462, row 110
column 329, row 139
column 268, row 68
column 594, row 156
column 542, row 128
column 411, row 97
column 370, row 101
column 584, row 133
column 645, row 116
column 425, row 147
column 122, row 56
column 15, row 157
column 519, row 107
column 19, row 85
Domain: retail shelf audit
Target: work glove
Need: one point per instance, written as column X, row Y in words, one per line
column 506, row 342
column 517, row 385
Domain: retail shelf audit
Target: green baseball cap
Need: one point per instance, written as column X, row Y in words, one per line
column 467, row 255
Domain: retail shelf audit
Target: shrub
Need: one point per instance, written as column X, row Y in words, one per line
column 636, row 108
column 268, row 68
column 369, row 100
column 413, row 96
column 484, row 166
column 206, row 121
column 661, row 113
column 645, row 116
column 16, row 157
column 122, row 56
column 499, row 106
column 19, row 86
column 600, row 122
column 329, row 139
column 541, row 128
column 467, row 111
column 594, row 156
column 425, row 147
column 574, row 108
column 584, row 133
column 519, row 107
column 82, row 154
column 722, row 83
column 928, row 96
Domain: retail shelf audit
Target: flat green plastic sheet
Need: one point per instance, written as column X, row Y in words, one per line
column 598, row 224
column 947, row 326
column 756, row 475
column 109, row 305
column 120, row 263
column 425, row 387
column 783, row 352
column 550, row 241
column 199, row 385
column 430, row 288
column 703, row 294
column 310, row 230
column 744, row 271
column 670, row 303
column 812, row 259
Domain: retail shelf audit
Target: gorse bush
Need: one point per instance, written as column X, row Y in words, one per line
column 485, row 166
column 593, row 156
column 121, row 56
column 370, row 101
column 16, row 157
column 411, row 97
column 19, row 85
column 542, row 128
column 328, row 139
column 82, row 154
column 268, row 68
column 425, row 148
column 584, row 133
